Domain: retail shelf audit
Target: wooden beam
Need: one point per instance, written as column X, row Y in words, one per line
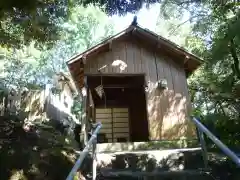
column 84, row 114
column 114, row 74
column 186, row 59
column 116, row 86
column 110, row 45
column 83, row 60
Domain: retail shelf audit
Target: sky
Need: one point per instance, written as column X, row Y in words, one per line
column 146, row 18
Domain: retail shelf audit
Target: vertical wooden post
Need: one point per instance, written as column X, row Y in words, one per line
column 84, row 114
column 5, row 104
column 1, row 107
column 203, row 147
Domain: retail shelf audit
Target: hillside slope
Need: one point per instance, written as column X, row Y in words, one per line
column 36, row 152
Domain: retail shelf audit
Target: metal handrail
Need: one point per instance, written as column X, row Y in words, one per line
column 84, row 152
column 201, row 128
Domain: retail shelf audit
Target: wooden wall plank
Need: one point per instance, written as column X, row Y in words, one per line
column 116, row 55
column 174, row 102
column 121, row 130
column 100, row 63
column 120, row 119
column 134, row 57
column 120, row 124
column 137, row 58
column 157, row 103
column 120, row 115
column 118, row 135
column 130, row 58
column 122, row 110
column 104, row 120
column 101, row 116
column 115, row 122
column 103, row 110
column 145, row 67
column 123, row 56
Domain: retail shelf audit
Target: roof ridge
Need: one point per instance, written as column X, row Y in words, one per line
column 158, row 37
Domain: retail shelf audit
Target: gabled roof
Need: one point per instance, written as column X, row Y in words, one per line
column 161, row 45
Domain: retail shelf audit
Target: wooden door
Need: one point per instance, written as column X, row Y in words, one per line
column 115, row 123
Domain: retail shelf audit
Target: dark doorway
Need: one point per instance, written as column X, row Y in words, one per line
column 124, row 91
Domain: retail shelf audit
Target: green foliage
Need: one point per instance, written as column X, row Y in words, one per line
column 85, row 27
column 19, row 68
column 35, row 67
column 24, row 21
column 120, row 7
column 77, row 107
column 40, row 152
column 214, row 36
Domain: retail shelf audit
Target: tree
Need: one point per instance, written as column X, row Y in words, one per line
column 24, row 21
column 214, row 87
column 19, row 67
column 84, row 28
column 34, row 67
column 121, row 7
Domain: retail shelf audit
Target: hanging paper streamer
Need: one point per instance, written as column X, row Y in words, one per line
column 100, row 91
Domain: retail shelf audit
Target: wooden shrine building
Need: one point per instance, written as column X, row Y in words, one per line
column 135, row 84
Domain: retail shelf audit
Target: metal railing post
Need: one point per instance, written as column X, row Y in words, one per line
column 94, row 159
column 203, row 147
column 84, row 153
column 222, row 146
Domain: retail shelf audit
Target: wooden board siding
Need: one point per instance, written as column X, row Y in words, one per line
column 168, row 110
column 115, row 123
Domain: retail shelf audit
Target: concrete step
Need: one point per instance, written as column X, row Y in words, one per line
column 143, row 146
column 169, row 163
column 172, row 164
column 173, row 159
column 111, row 174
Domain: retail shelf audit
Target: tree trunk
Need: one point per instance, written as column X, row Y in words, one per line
column 235, row 66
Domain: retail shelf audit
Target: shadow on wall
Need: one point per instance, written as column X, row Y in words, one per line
column 32, row 102
column 40, row 107
column 168, row 115
column 38, row 149
column 58, row 118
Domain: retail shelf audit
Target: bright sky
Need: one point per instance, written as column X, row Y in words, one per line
column 147, row 18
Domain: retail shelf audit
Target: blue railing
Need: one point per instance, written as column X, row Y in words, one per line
column 84, row 153
column 202, row 129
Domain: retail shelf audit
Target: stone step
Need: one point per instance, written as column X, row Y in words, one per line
column 143, row 146
column 161, row 175
column 174, row 159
